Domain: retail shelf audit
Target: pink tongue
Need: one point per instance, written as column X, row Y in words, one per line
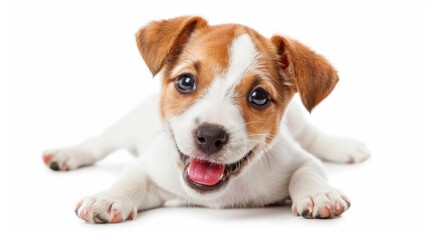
column 205, row 173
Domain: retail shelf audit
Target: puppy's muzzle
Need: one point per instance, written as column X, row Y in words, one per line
column 210, row 138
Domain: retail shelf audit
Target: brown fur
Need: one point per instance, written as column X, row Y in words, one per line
column 203, row 62
column 268, row 76
column 313, row 75
column 265, row 120
column 189, row 45
column 162, row 39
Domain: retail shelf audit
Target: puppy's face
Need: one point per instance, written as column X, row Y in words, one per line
column 223, row 100
column 225, row 89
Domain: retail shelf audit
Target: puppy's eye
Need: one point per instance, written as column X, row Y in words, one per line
column 186, row 83
column 259, row 97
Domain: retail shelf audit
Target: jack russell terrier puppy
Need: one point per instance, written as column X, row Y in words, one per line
column 223, row 132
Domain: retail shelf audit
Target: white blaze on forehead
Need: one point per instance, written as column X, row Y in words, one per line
column 242, row 56
column 218, row 98
column 217, row 104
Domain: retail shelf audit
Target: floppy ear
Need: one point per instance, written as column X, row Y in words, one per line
column 312, row 74
column 162, row 40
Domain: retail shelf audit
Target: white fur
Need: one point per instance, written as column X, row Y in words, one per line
column 320, row 144
column 266, row 181
column 242, row 56
column 288, row 169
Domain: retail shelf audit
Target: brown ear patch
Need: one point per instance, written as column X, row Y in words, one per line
column 312, row 74
column 163, row 40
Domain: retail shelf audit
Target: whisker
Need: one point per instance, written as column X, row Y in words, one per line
column 256, row 121
column 266, row 135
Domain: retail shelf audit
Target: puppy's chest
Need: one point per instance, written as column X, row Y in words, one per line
column 254, row 188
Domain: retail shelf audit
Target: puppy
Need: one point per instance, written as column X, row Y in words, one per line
column 223, row 132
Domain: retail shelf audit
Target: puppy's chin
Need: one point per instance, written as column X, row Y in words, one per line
column 203, row 177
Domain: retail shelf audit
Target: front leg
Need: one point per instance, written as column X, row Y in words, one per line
column 311, row 194
column 121, row 201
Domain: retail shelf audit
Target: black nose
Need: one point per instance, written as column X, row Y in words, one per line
column 210, row 138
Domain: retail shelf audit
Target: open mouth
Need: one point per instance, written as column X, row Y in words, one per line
column 205, row 176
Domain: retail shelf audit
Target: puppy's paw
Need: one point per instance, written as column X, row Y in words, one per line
column 64, row 159
column 328, row 204
column 103, row 208
column 341, row 150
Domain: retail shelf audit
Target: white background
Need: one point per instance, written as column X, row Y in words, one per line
column 70, row 68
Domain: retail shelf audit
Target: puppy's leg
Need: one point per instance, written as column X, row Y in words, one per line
column 311, row 194
column 84, row 153
column 322, row 145
column 129, row 132
column 122, row 200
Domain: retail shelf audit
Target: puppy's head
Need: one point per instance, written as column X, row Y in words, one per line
column 224, row 92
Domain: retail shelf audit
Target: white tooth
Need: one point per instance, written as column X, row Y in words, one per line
column 188, row 171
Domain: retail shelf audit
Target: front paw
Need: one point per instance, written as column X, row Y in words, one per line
column 328, row 204
column 104, row 208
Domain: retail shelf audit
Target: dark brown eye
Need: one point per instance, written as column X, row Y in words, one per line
column 186, row 83
column 259, row 97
